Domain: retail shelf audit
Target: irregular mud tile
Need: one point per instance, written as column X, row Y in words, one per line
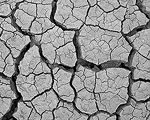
column 112, row 118
column 141, row 112
column 63, row 113
column 47, row 2
column 62, row 85
column 111, row 87
column 34, row 115
column 78, row 79
column 43, row 82
column 36, row 27
column 110, row 101
column 101, row 82
column 66, row 92
column 5, row 9
column 28, row 8
column 3, row 50
column 146, row 3
column 95, row 15
column 39, row 68
column 45, row 102
column 141, row 42
column 121, row 51
column 133, row 19
column 135, row 112
column 120, row 13
column 35, row 1
column 6, row 35
column 141, row 90
column 18, row 41
column 49, row 52
column 34, row 63
column 67, row 54
column 5, row 105
column 23, row 111
column 83, row 118
column 23, row 19
column 71, row 13
column 6, row 25
column 101, row 116
column 86, row 102
column 40, row 26
column 90, row 41
column 9, row 67
column 43, row 10
column 15, row 42
column 57, row 36
column 142, row 67
column 69, row 108
column 127, row 113
column 99, row 46
column 6, row 60
column 62, row 77
column 108, row 5
column 141, row 18
column 57, row 45
column 111, row 22
column 26, row 65
column 26, row 86
column 6, row 96
column 47, row 115
column 86, row 79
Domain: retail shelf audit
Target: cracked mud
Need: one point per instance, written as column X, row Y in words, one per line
column 74, row 59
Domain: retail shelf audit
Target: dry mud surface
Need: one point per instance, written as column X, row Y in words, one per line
column 75, row 59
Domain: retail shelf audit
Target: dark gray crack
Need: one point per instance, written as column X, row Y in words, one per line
column 142, row 8
column 101, row 83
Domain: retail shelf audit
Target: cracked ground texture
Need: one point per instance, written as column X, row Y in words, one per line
column 74, row 59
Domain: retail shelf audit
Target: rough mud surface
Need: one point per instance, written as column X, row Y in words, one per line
column 75, row 59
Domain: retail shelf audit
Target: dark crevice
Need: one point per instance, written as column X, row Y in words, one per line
column 4, row 76
column 80, row 62
column 52, row 19
column 76, row 44
column 142, row 8
column 136, row 30
column 14, row 103
column 13, row 118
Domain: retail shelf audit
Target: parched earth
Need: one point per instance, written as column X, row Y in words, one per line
column 75, row 59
